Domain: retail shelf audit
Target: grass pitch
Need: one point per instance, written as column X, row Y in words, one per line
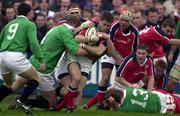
column 78, row 112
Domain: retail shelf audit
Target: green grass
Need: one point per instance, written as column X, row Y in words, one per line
column 78, row 111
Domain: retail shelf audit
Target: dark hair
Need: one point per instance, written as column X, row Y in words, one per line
column 151, row 10
column 40, row 15
column 139, row 11
column 168, row 22
column 161, row 63
column 40, row 1
column 142, row 46
column 74, row 5
column 107, row 16
column 23, row 9
column 116, row 94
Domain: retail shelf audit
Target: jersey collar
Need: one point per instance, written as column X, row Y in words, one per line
column 22, row 16
column 69, row 26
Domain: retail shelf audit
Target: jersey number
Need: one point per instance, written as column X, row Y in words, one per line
column 12, row 31
column 138, row 93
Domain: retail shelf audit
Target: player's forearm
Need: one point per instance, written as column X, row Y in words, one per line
column 173, row 49
column 76, row 30
column 95, row 50
column 122, row 81
column 150, row 83
column 111, row 51
column 35, row 48
column 174, row 42
column 81, row 52
column 82, row 39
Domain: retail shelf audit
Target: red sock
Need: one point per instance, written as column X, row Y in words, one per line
column 92, row 101
column 70, row 100
column 63, row 103
column 101, row 97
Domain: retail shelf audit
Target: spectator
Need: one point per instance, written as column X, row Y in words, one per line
column 44, row 9
column 161, row 12
column 10, row 13
column 50, row 23
column 87, row 14
column 96, row 5
column 177, row 11
column 148, row 4
column 55, row 5
column 152, row 17
column 40, row 21
column 139, row 19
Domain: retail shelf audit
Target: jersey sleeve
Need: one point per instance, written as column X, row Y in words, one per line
column 113, row 29
column 69, row 42
column 1, row 36
column 150, row 68
column 124, row 67
column 177, row 34
column 34, row 44
column 160, row 37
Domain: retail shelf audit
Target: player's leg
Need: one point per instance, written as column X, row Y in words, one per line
column 107, row 66
column 74, row 71
column 18, row 64
column 5, row 89
column 47, row 89
column 18, row 83
column 174, row 78
column 80, row 88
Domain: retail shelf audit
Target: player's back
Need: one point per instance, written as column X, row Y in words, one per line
column 173, row 101
column 16, row 34
column 139, row 100
column 153, row 37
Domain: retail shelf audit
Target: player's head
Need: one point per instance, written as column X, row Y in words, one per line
column 24, row 9
column 105, row 23
column 113, row 98
column 160, row 67
column 74, row 13
column 74, row 10
column 168, row 26
column 125, row 19
column 141, row 53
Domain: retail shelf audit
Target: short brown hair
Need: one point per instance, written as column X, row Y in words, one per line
column 161, row 63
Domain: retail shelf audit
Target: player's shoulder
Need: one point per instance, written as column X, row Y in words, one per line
column 134, row 29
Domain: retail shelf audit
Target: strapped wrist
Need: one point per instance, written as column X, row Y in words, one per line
column 89, row 38
column 83, row 45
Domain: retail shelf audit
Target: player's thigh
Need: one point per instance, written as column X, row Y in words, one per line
column 30, row 74
column 175, row 73
column 85, row 65
column 18, row 64
column 47, row 82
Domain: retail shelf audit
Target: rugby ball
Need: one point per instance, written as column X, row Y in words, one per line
column 89, row 32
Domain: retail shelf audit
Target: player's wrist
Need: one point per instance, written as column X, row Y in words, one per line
column 82, row 45
column 89, row 38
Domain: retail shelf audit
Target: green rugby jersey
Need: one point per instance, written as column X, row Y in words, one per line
column 177, row 34
column 55, row 42
column 18, row 34
column 139, row 100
